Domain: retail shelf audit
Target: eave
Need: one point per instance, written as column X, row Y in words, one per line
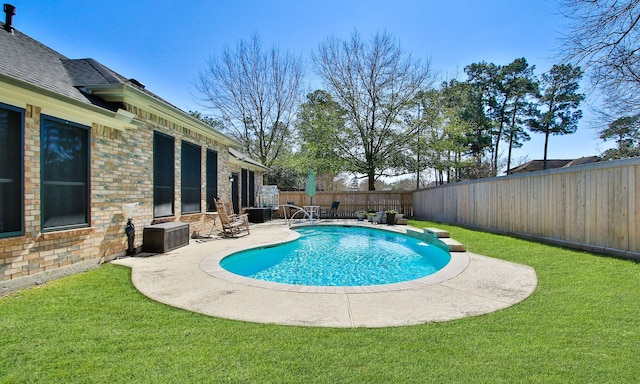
column 128, row 94
column 20, row 93
column 244, row 161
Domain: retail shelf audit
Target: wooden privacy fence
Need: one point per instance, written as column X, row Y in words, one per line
column 592, row 207
column 351, row 201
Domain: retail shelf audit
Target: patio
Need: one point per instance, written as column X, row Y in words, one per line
column 190, row 278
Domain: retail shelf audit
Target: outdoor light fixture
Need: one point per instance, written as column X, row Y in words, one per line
column 231, row 178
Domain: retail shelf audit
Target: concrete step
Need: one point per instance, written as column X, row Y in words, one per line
column 454, row 245
column 442, row 234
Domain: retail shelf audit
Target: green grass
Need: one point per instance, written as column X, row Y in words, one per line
column 581, row 325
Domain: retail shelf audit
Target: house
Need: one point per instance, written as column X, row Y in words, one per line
column 538, row 165
column 77, row 141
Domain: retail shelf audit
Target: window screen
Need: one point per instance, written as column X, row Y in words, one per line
column 64, row 174
column 212, row 179
column 11, row 171
column 244, row 192
column 163, row 175
column 252, row 189
column 190, row 177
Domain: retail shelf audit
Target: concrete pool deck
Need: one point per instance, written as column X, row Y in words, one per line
column 190, row 278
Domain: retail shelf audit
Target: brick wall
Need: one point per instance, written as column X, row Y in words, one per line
column 121, row 172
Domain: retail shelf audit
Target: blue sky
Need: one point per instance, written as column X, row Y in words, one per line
column 164, row 43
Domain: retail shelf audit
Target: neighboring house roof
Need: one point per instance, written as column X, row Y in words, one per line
column 538, row 165
column 583, row 160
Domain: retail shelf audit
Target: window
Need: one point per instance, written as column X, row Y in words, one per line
column 11, row 171
column 65, row 174
column 163, row 175
column 247, row 193
column 235, row 202
column 252, row 189
column 244, row 192
column 212, row 179
column 190, row 178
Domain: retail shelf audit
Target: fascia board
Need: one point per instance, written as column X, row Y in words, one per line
column 244, row 164
column 133, row 96
column 20, row 93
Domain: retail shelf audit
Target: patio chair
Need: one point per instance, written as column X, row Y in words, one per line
column 334, row 208
column 232, row 225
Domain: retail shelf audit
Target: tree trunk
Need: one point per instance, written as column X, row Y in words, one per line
column 498, row 137
column 418, row 165
column 546, row 145
column 372, row 180
column 511, row 134
column 509, row 155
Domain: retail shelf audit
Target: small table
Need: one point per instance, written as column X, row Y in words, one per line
column 312, row 210
column 213, row 215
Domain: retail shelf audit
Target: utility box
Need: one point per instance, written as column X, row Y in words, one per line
column 165, row 237
column 258, row 215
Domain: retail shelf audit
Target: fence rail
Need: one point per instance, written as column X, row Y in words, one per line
column 352, row 201
column 593, row 207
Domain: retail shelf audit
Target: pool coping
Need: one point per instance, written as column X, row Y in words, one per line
column 177, row 278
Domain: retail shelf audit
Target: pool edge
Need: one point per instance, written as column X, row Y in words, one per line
column 211, row 265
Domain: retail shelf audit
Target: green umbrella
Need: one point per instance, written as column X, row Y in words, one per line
column 310, row 190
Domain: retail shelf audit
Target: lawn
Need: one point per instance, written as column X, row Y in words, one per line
column 581, row 325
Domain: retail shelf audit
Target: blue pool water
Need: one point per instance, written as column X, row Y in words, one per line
column 340, row 256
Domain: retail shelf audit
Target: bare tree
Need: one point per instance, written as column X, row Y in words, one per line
column 374, row 82
column 604, row 38
column 255, row 93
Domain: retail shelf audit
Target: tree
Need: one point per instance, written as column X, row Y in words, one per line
column 255, row 93
column 559, row 101
column 374, row 82
column 320, row 120
column 286, row 177
column 210, row 121
column 625, row 131
column 521, row 88
column 516, row 134
column 464, row 100
column 604, row 38
column 446, row 146
column 482, row 78
column 441, row 142
column 428, row 105
column 515, row 84
column 504, row 90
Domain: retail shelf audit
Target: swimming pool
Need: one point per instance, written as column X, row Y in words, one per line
column 340, row 256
